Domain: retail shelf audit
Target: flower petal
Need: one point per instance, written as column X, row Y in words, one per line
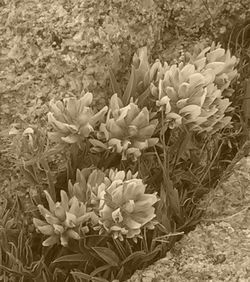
column 51, row 203
column 54, row 239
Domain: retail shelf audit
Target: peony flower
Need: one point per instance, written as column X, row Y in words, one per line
column 63, row 220
column 126, row 207
column 128, row 129
column 73, row 119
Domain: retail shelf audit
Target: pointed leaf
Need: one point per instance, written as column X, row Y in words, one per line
column 130, row 87
column 143, row 97
column 71, row 258
column 120, row 274
column 100, row 269
column 107, row 255
column 149, row 257
column 87, row 277
column 134, row 256
column 114, row 84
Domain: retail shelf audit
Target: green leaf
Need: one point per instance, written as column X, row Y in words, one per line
column 107, row 255
column 149, row 257
column 120, row 274
column 87, row 277
column 114, row 84
column 71, row 258
column 130, row 87
column 100, row 269
column 143, row 97
column 14, row 272
column 134, row 256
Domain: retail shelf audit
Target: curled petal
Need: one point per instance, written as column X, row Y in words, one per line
column 98, row 116
column 115, row 130
column 152, row 141
column 142, row 118
column 83, row 218
column 182, row 103
column 60, row 213
column 217, row 67
column 74, row 206
column 71, row 220
column 200, row 63
column 64, row 200
column 44, row 211
column 191, row 110
column 215, row 55
column 85, row 101
column 141, row 145
column 72, row 234
column 58, row 229
column 129, row 206
column 60, row 126
column 53, row 239
column 97, row 143
column 64, row 240
column 183, row 90
column 71, row 139
column 51, row 203
column 147, row 131
column 71, row 106
column 171, row 93
column 132, row 224
column 37, row 222
column 133, row 233
column 86, row 130
column 117, row 216
column 196, row 79
column 52, row 219
column 46, row 229
column 115, row 103
column 186, row 71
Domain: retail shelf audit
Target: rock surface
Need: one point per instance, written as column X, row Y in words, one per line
column 219, row 248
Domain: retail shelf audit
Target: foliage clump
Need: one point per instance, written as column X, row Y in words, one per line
column 109, row 208
column 113, row 186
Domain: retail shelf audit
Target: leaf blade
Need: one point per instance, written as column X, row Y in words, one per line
column 107, row 255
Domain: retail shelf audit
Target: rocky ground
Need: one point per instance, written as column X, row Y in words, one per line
column 55, row 49
column 219, row 248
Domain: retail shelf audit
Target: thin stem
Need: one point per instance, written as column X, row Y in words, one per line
column 212, row 162
column 205, row 3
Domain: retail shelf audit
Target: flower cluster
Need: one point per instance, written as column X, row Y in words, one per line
column 128, row 129
column 118, row 199
column 73, row 119
column 89, row 187
column 64, row 220
column 114, row 202
column 191, row 94
column 126, row 208
column 220, row 61
column 191, row 98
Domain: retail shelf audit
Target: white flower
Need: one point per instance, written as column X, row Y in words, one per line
column 63, row 220
column 73, row 120
column 126, row 207
column 128, row 130
column 189, row 97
